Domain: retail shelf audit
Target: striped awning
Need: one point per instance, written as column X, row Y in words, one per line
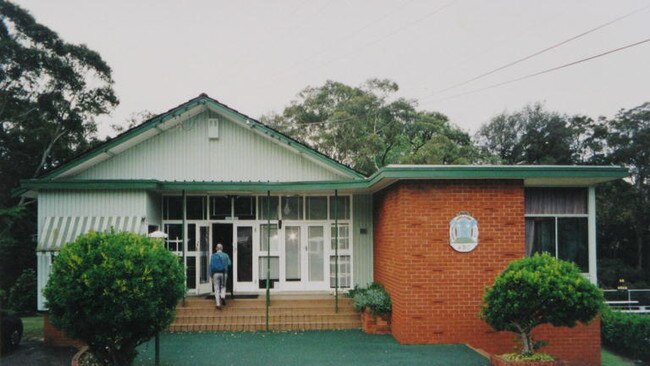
column 59, row 230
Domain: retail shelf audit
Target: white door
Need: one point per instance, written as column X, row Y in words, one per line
column 267, row 256
column 304, row 257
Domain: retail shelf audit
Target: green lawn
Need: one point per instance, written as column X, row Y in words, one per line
column 611, row 359
column 32, row 327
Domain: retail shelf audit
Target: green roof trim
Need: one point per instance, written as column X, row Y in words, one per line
column 390, row 174
column 498, row 172
column 202, row 99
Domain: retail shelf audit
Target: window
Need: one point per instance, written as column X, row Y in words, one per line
column 557, row 223
column 245, row 208
column 172, row 208
column 316, row 208
column 345, row 268
column 342, row 206
column 343, row 239
column 220, row 207
column 291, row 208
column 264, row 207
column 196, row 207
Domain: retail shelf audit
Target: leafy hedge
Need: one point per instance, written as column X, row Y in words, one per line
column 627, row 334
column 374, row 297
column 114, row 291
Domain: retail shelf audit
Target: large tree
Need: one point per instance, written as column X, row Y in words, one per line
column 628, row 141
column 534, row 135
column 367, row 127
column 50, row 93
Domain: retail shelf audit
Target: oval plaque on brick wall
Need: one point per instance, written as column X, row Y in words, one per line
column 463, row 233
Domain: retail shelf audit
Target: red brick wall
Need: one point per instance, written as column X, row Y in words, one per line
column 436, row 291
column 52, row 336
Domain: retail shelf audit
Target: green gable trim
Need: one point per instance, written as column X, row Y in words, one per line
column 221, row 108
column 389, row 173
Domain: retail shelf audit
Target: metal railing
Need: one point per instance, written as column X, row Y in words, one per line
column 629, row 300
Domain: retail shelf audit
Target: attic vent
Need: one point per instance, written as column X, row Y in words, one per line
column 213, row 128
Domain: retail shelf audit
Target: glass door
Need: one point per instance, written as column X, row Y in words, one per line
column 315, row 269
column 243, row 265
column 268, row 256
column 203, row 259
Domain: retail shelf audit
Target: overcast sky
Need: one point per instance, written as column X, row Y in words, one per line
column 256, row 56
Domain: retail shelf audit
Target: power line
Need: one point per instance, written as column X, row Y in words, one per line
column 549, row 70
column 349, row 35
column 542, row 50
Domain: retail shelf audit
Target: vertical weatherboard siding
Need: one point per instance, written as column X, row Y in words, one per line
column 186, row 153
column 362, row 243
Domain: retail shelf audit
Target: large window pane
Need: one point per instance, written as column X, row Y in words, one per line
column 245, row 208
column 191, row 237
column 172, row 208
column 341, row 205
column 344, row 237
column 245, row 254
column 572, row 241
column 291, row 208
column 263, row 205
column 316, row 208
column 196, row 208
column 220, row 208
column 293, row 246
column 316, row 255
column 345, row 269
column 556, row 201
column 274, row 274
column 264, row 237
column 540, row 235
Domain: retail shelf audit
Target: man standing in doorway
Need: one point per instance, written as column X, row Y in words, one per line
column 219, row 265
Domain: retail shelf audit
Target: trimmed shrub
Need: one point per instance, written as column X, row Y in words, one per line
column 537, row 290
column 627, row 334
column 114, row 291
column 22, row 295
column 374, row 298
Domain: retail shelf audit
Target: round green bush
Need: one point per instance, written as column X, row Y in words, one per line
column 538, row 290
column 22, row 295
column 114, row 291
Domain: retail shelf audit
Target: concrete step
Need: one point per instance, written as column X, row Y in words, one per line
column 230, row 319
column 293, row 312
column 258, row 326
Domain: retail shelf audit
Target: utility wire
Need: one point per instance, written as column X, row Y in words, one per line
column 542, row 50
column 549, row 70
column 349, row 35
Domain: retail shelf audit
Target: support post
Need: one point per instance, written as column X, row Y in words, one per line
column 268, row 256
column 184, row 239
column 336, row 250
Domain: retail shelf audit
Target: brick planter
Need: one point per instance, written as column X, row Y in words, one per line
column 375, row 324
column 498, row 361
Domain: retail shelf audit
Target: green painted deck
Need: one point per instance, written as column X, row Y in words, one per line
column 349, row 347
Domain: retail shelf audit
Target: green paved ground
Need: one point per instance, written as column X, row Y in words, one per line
column 303, row 348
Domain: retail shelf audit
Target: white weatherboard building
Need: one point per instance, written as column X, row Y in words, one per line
column 237, row 176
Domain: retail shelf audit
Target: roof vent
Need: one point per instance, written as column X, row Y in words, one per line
column 213, row 128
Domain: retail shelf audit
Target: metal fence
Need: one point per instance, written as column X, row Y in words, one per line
column 629, row 300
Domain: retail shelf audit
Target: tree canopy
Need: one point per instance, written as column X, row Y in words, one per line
column 50, row 93
column 367, row 127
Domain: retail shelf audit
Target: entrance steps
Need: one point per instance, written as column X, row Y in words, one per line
column 286, row 313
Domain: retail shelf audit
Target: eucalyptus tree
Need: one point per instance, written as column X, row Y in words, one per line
column 50, row 93
column 368, row 127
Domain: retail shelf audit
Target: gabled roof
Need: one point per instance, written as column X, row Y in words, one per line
column 159, row 124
